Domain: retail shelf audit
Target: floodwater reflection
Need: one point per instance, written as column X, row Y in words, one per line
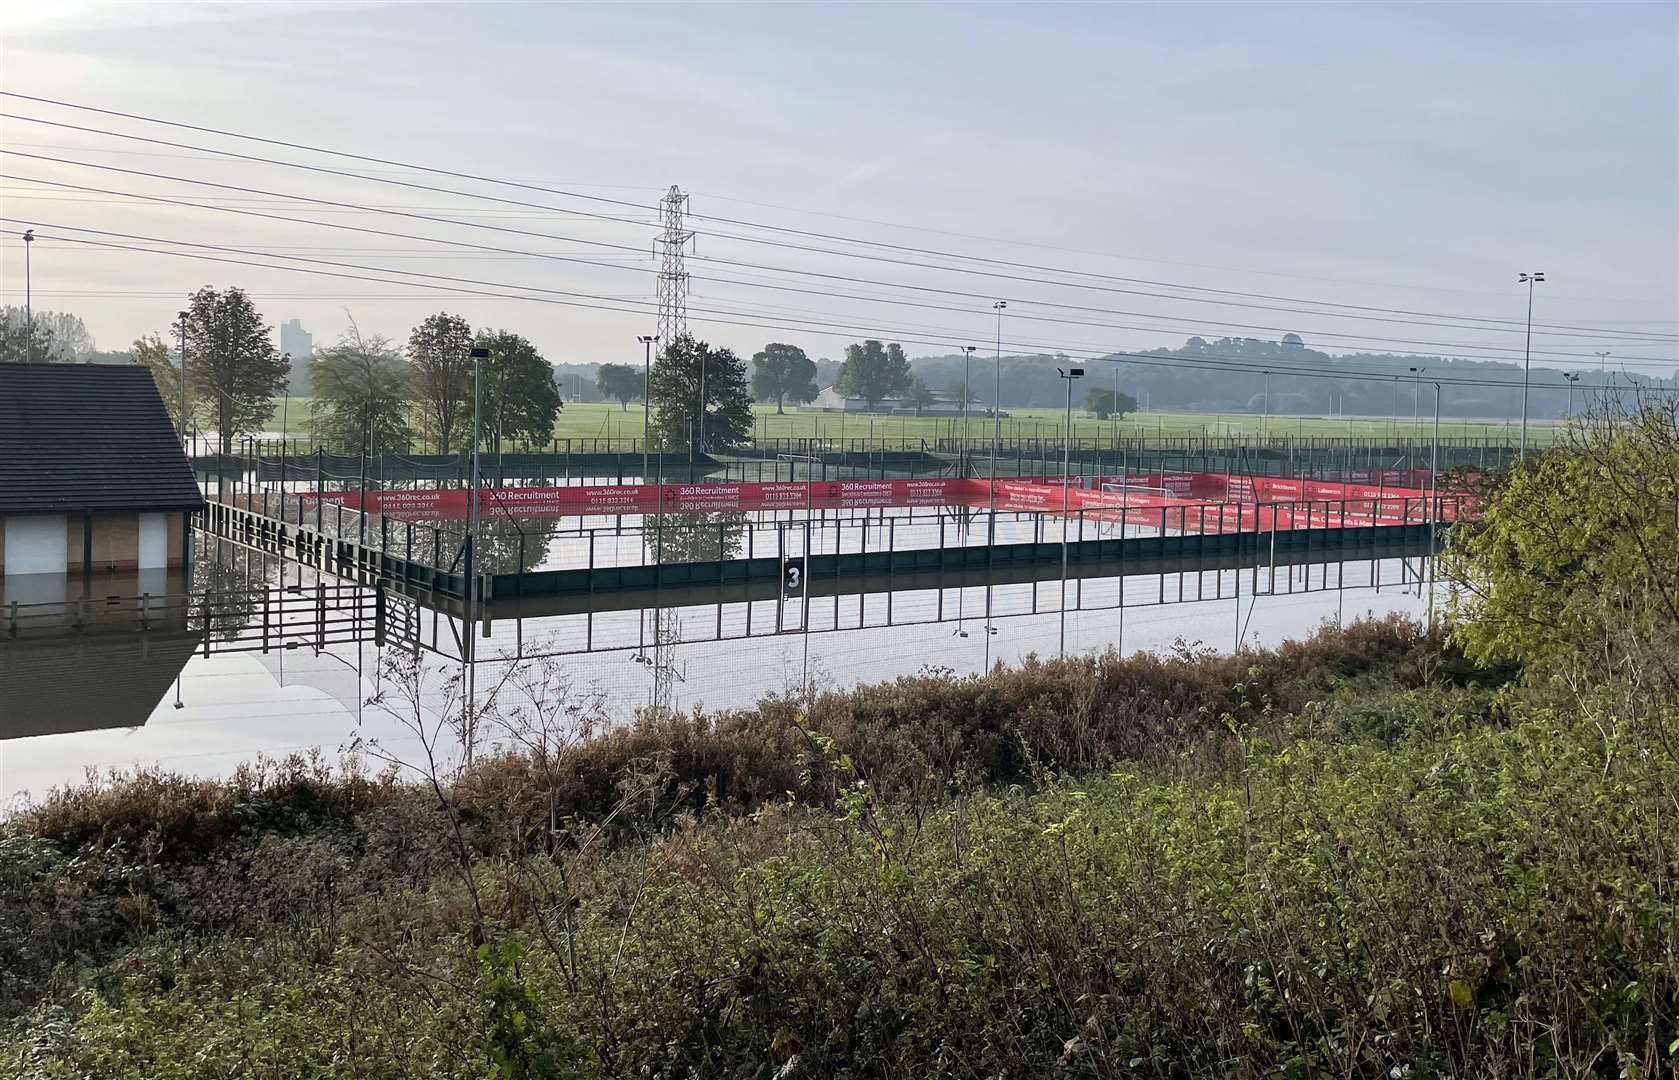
column 167, row 696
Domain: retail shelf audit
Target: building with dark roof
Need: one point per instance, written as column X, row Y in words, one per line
column 92, row 476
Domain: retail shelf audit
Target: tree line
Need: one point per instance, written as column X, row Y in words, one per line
column 369, row 393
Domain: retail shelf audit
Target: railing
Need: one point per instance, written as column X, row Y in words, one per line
column 226, row 620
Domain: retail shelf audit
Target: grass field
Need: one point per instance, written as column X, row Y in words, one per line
column 594, row 420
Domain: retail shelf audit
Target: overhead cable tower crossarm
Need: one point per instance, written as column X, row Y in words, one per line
column 672, row 246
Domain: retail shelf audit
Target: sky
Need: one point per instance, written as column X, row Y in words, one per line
column 1127, row 159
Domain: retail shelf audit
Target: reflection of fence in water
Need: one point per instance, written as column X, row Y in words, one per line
column 259, row 619
column 677, row 538
column 735, row 619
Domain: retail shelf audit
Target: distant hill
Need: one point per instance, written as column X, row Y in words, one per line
column 1227, row 375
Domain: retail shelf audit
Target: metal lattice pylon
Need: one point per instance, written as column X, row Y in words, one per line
column 673, row 274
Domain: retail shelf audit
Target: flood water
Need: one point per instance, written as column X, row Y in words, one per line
column 160, row 701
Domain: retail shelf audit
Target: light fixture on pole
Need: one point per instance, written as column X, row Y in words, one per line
column 997, row 404
column 285, row 411
column 184, row 434
column 1416, row 397
column 1433, row 504
column 28, row 298
column 967, row 354
column 701, row 417
column 1265, row 420
column 469, row 649
column 1069, row 376
column 991, row 480
column 647, row 341
column 1530, row 280
column 1115, row 412
column 1572, row 377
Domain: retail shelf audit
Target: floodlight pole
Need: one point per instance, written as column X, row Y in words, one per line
column 967, row 354
column 1530, row 280
column 991, row 481
column 1416, row 397
column 701, row 417
column 1434, row 504
column 1115, row 413
column 469, row 723
column 285, row 411
column 184, row 436
column 647, row 341
column 1069, row 376
column 28, row 298
column 997, row 405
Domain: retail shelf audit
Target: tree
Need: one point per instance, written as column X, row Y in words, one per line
column 518, row 398
column 621, row 382
column 920, row 396
column 524, row 545
column 21, row 340
column 361, row 388
column 154, row 354
column 781, row 372
column 441, row 367
column 675, row 389
column 231, row 362
column 690, row 537
column 1569, row 570
column 68, row 339
column 874, row 372
column 1104, row 403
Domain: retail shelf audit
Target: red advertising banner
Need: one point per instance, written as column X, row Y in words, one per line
column 1322, row 503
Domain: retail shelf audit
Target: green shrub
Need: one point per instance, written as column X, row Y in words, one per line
column 1459, row 899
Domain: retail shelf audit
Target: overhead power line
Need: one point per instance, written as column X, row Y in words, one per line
column 1240, row 365
column 1341, row 309
column 1456, row 347
column 1063, row 249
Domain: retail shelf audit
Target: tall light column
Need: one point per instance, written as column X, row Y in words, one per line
column 469, row 650
column 1530, row 280
column 1416, row 398
column 997, row 405
column 701, row 416
column 1070, row 376
column 285, row 417
column 1395, row 423
column 1572, row 377
column 967, row 354
column 28, row 298
column 991, row 481
column 1433, row 504
column 647, row 341
column 185, row 436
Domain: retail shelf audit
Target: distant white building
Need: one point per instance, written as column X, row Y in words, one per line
column 299, row 344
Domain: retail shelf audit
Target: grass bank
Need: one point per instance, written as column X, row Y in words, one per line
column 1356, row 855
